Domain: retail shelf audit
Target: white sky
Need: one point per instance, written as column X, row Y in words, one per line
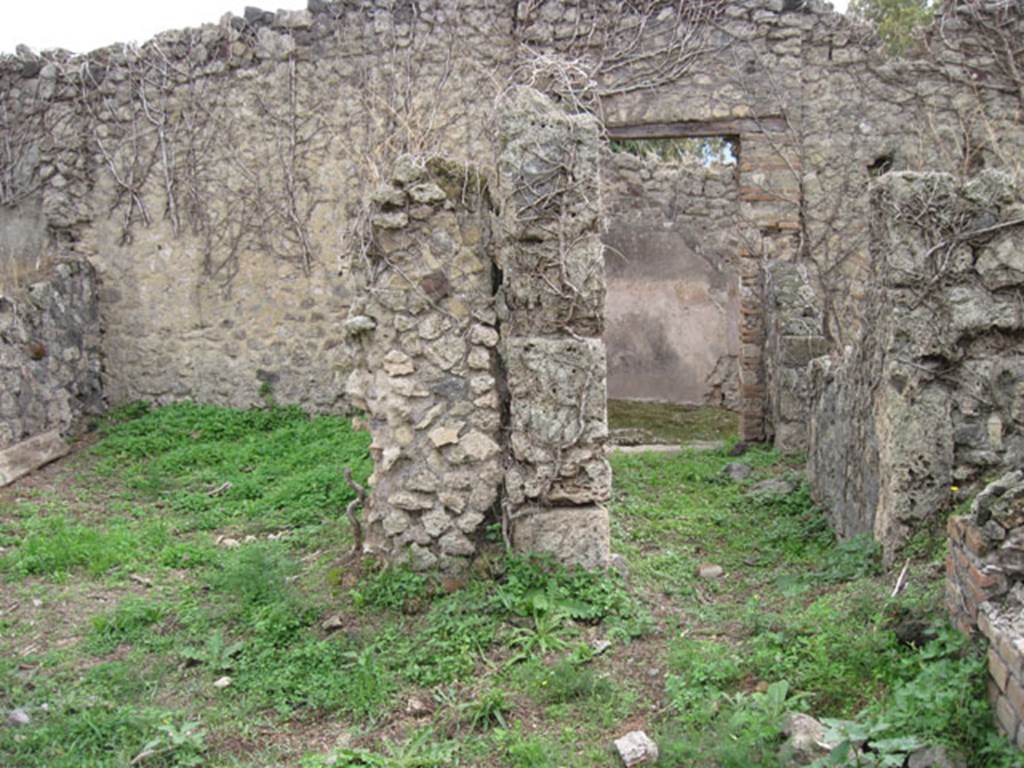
column 84, row 25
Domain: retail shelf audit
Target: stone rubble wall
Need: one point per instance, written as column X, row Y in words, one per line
column 551, row 316
column 427, row 365
column 985, row 591
column 217, row 177
column 932, row 396
column 480, row 364
column 50, row 365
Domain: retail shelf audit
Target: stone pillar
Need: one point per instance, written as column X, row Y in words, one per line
column 772, row 304
column 795, row 319
column 551, row 320
column 929, row 403
column 425, row 338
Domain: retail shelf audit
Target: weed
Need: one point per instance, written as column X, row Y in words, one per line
column 566, row 681
column 216, row 655
column 183, row 745
column 487, row 710
column 523, row 751
column 397, row 588
column 129, row 623
column 420, row 751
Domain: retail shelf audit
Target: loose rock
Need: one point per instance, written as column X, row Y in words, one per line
column 710, row 571
column 805, row 740
column 737, row 472
column 18, row 717
column 636, row 748
column 772, row 487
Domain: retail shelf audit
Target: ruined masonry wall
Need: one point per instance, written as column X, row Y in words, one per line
column 985, row 591
column 932, row 396
column 551, row 311
column 426, row 367
column 49, row 354
column 480, row 365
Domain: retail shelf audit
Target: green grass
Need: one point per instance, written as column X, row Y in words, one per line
column 670, row 423
column 142, row 608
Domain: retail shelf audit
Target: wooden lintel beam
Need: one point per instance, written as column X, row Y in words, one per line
column 697, row 128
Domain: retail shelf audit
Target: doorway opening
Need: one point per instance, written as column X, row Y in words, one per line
column 673, row 303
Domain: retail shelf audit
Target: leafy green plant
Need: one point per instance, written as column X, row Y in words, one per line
column 487, row 710
column 183, row 745
column 130, row 622
column 420, row 751
column 254, row 576
column 939, row 698
column 395, row 588
column 216, row 655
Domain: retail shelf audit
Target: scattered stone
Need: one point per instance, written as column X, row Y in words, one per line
column 805, row 740
column 771, row 487
column 301, row 19
column 29, row 455
column 484, row 335
column 427, row 193
column 736, row 471
column 739, row 449
column 332, row 623
column 222, row 682
column 618, row 562
column 636, row 748
column 600, row 646
column 935, row 757
column 435, row 522
column 397, row 363
column 227, row 542
column 18, row 717
column 407, row 170
column 710, row 571
column 393, row 220
column 417, row 707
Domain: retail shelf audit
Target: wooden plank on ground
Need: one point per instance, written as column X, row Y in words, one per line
column 29, row 455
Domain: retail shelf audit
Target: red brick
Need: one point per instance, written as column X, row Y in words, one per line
column 955, row 529
column 961, row 560
column 997, row 669
column 1006, row 717
column 984, row 624
column 992, row 692
column 1015, row 694
column 975, row 540
column 991, row 581
column 1010, row 653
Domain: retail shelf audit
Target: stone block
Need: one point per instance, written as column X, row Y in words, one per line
column 997, row 669
column 798, row 351
column 573, row 535
column 557, row 390
column 29, row 455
